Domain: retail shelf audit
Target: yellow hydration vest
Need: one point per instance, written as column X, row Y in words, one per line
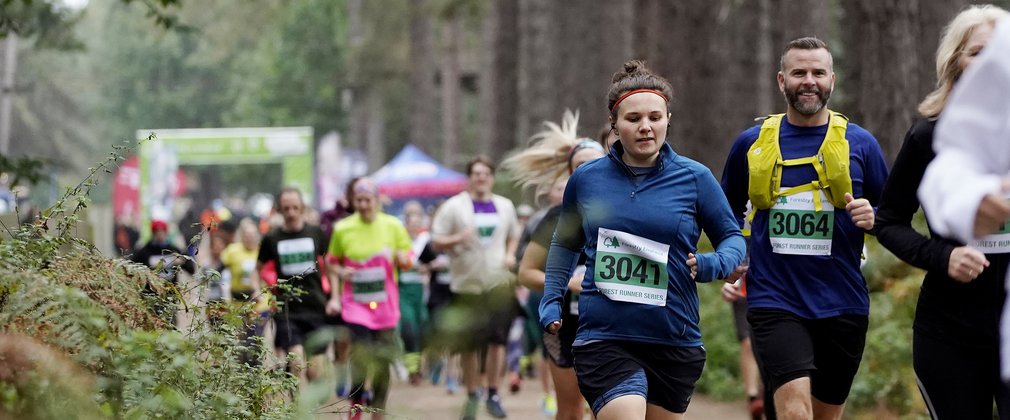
column 764, row 161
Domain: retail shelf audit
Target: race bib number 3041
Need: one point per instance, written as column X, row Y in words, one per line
column 630, row 268
column 795, row 227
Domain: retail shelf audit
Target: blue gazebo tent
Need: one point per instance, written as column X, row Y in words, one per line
column 413, row 175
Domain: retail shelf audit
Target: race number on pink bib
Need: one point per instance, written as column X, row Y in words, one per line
column 369, row 285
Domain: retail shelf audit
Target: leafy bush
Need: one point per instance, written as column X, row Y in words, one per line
column 81, row 337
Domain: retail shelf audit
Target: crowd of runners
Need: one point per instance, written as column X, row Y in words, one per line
column 606, row 272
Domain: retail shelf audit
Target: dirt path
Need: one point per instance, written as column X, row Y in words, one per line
column 426, row 402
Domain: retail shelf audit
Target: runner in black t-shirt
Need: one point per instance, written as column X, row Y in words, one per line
column 294, row 249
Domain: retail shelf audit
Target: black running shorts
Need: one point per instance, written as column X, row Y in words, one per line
column 295, row 331
column 827, row 350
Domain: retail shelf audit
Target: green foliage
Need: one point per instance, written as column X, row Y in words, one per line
column 37, row 379
column 150, row 77
column 296, row 71
column 52, row 21
column 21, row 170
column 721, row 377
column 885, row 378
column 82, row 338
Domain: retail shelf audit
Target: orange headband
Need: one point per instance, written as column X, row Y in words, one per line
column 661, row 95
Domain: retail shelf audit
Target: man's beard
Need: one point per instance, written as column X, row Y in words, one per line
column 806, row 108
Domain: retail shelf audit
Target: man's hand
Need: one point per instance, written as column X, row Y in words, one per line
column 333, row 306
column 731, row 292
column 510, row 261
column 467, row 237
column 966, row 263
column 404, row 260
column 861, row 211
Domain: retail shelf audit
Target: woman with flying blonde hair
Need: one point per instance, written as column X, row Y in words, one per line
column 553, row 154
column 955, row 341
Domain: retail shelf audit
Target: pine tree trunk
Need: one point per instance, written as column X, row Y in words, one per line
column 882, row 59
column 451, row 95
column 538, row 64
column 423, row 70
column 498, row 94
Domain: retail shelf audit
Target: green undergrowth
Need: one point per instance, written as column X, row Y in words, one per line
column 86, row 336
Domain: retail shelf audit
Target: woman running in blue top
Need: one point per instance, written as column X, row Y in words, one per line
column 638, row 214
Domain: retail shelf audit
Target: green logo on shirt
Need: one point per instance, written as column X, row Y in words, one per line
column 611, row 242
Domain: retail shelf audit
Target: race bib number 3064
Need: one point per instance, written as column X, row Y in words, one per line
column 630, row 268
column 795, row 227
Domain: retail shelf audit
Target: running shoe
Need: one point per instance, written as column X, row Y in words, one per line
column 354, row 413
column 757, row 408
column 436, row 372
column 401, row 370
column 549, row 405
column 470, row 409
column 494, row 407
column 515, row 382
column 415, row 378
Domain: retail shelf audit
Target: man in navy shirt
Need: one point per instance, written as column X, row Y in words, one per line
column 813, row 178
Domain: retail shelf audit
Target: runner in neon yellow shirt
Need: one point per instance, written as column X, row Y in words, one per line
column 366, row 250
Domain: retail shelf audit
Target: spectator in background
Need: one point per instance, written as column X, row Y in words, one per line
column 125, row 237
column 239, row 258
column 167, row 259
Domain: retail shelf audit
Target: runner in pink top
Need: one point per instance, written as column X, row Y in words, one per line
column 366, row 250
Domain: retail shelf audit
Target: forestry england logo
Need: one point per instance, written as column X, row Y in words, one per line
column 611, row 242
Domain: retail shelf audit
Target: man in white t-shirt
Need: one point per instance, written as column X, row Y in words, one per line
column 479, row 232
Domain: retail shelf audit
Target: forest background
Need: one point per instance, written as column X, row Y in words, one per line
column 461, row 77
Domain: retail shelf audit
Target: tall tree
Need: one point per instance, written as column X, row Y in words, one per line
column 499, row 99
column 452, row 130
column 884, row 58
column 716, row 56
column 585, row 72
column 423, row 72
column 379, row 51
column 538, row 61
column 294, row 72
